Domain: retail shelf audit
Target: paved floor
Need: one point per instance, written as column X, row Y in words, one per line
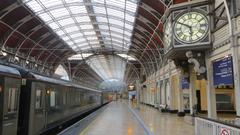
column 117, row 119
column 164, row 123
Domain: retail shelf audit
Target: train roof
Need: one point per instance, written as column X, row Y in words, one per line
column 9, row 71
column 18, row 71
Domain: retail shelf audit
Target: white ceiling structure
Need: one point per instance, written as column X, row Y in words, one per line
column 90, row 25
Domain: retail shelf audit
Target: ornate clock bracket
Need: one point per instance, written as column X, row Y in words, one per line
column 197, row 67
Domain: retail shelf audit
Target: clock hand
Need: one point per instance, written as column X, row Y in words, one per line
column 184, row 25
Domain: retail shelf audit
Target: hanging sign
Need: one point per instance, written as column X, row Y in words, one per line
column 223, row 72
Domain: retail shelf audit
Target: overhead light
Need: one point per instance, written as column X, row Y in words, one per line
column 3, row 53
column 16, row 58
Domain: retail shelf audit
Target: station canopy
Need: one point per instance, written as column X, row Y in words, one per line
column 91, row 25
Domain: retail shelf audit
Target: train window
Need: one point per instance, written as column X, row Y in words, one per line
column 38, row 103
column 12, row 99
column 52, row 98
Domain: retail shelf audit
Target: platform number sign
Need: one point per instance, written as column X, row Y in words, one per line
column 225, row 131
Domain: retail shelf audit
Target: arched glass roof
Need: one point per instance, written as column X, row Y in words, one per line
column 108, row 67
column 89, row 24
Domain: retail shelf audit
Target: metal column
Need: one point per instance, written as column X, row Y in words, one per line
column 192, row 91
column 180, row 94
column 211, row 95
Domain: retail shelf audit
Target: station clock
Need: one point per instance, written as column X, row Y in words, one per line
column 167, row 39
column 191, row 27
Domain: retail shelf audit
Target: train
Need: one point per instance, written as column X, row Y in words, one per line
column 32, row 104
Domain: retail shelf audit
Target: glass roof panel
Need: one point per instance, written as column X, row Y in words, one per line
column 78, row 9
column 59, row 12
column 125, row 56
column 100, row 10
column 80, row 56
column 83, row 19
column 67, row 21
column 87, row 27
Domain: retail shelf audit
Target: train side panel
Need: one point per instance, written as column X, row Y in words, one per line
column 10, row 98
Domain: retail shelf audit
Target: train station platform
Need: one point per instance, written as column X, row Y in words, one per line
column 122, row 118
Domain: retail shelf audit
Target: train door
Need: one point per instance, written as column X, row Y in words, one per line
column 38, row 111
column 10, row 108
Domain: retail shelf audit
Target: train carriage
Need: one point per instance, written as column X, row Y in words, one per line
column 10, row 82
column 47, row 103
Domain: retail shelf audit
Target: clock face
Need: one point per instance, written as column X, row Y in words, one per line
column 191, row 27
column 167, row 34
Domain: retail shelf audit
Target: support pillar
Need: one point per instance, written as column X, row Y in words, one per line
column 211, row 95
column 138, row 93
column 170, row 95
column 163, row 91
column 180, row 94
column 192, row 91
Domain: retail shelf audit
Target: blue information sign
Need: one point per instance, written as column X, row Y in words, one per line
column 223, row 72
column 185, row 83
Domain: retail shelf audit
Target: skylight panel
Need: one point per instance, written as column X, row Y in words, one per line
column 125, row 56
column 86, row 26
column 51, row 3
column 117, row 3
column 71, row 29
column 73, row 1
column 82, row 44
column 83, row 19
column 94, row 42
column 130, row 18
column 117, row 35
column 85, row 48
column 102, row 19
column 89, row 33
column 117, row 41
column 65, row 38
column 34, row 6
column 60, row 32
column 114, row 12
column 65, row 22
column 45, row 17
column 103, row 27
column 79, row 35
column 80, row 56
column 130, row 27
column 71, row 20
column 78, row 9
column 92, row 38
column 98, row 1
column 70, row 43
column 128, row 33
column 116, row 29
column 116, row 22
column 59, row 12
column 53, row 25
column 99, row 10
column 131, row 6
column 80, row 40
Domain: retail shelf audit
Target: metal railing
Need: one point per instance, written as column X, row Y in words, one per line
column 205, row 126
